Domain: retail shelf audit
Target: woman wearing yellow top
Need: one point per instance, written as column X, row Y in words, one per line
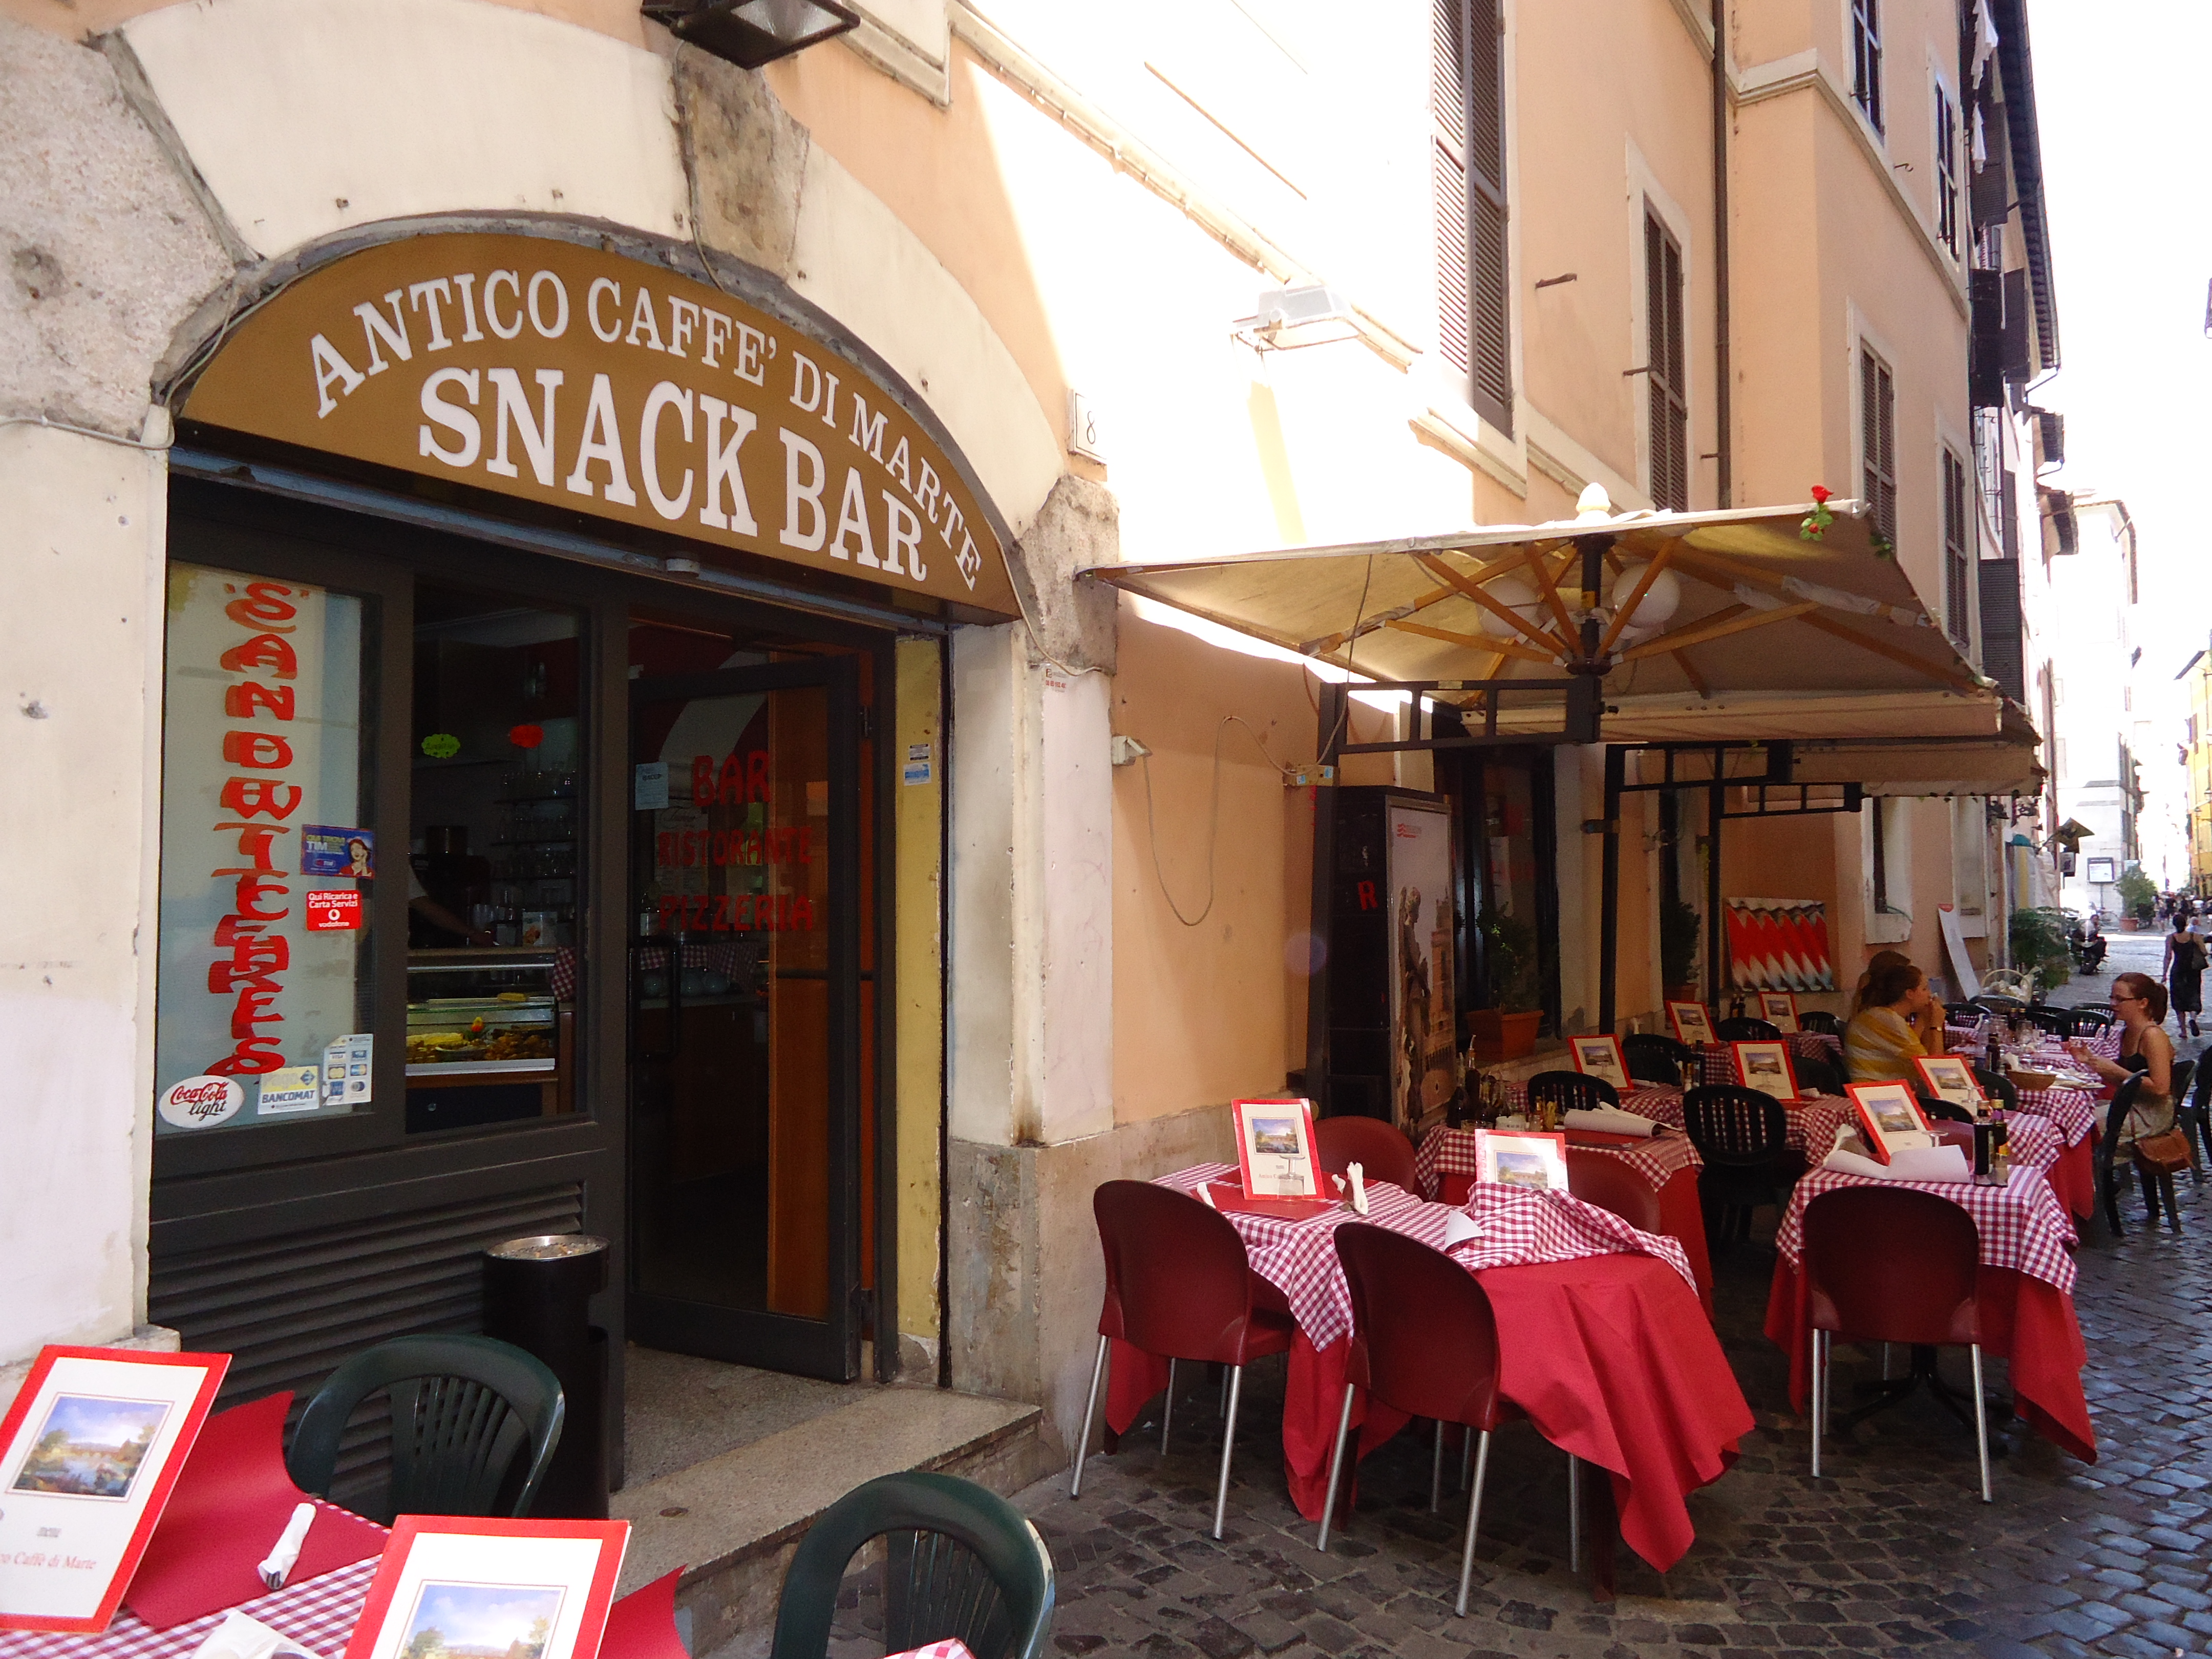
column 1928, row 1023
column 1880, row 1043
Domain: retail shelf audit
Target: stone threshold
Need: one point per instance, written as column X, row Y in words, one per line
column 732, row 1522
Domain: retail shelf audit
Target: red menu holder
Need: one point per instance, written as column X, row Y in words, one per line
column 230, row 1504
column 642, row 1625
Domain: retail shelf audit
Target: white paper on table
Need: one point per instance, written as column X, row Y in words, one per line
column 1610, row 1121
column 1912, row 1163
column 1358, row 1188
column 240, row 1636
column 1458, row 1225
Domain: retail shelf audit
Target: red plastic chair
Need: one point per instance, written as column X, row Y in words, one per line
column 1380, row 1149
column 1610, row 1184
column 1890, row 1265
column 1178, row 1286
column 1424, row 1342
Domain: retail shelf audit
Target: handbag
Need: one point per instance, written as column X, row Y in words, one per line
column 2167, row 1149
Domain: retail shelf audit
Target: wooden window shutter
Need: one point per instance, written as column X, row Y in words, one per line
column 1957, row 574
column 1878, row 442
column 1467, row 169
column 1666, row 359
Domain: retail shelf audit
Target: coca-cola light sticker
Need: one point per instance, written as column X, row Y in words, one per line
column 201, row 1102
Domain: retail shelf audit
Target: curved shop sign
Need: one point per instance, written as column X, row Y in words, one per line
column 574, row 378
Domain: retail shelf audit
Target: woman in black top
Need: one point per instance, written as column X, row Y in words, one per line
column 2183, row 971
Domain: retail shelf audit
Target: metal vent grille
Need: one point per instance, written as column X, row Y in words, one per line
column 291, row 1306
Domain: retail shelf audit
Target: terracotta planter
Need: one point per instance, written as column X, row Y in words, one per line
column 1499, row 1036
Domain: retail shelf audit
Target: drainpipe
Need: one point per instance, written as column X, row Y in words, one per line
column 1724, row 470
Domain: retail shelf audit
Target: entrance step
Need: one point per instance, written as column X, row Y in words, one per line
column 733, row 1521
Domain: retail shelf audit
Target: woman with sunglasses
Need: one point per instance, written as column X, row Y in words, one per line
column 2140, row 1001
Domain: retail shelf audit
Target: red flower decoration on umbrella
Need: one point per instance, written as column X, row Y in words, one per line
column 1813, row 525
column 526, row 736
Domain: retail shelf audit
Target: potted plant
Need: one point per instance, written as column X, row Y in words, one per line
column 1680, row 927
column 1507, row 1028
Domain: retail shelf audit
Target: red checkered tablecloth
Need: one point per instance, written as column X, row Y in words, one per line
column 2075, row 1111
column 2036, row 1142
column 2023, row 1225
column 954, row 1649
column 1658, row 1160
column 1811, row 1121
column 319, row 1613
column 1524, row 1227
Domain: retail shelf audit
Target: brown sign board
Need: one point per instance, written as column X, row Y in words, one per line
column 583, row 380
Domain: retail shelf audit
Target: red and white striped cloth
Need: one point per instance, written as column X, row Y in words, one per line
column 2036, row 1142
column 1523, row 1226
column 1299, row 1257
column 952, row 1649
column 2073, row 1110
column 1658, row 1160
column 319, row 1613
column 2023, row 1225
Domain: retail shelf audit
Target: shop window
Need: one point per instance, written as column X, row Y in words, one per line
column 263, row 1014
column 492, row 862
column 1467, row 169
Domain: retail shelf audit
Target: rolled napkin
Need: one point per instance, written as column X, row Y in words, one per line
column 287, row 1552
column 1610, row 1121
column 1912, row 1163
column 1358, row 1187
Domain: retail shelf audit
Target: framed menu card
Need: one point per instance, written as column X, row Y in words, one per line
column 1275, row 1148
column 1601, row 1057
column 88, row 1454
column 1766, row 1066
column 1950, row 1078
column 504, row 1588
column 1692, row 1022
column 1779, row 1009
column 1514, row 1157
column 1887, row 1112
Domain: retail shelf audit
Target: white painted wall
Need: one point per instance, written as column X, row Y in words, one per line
column 80, row 545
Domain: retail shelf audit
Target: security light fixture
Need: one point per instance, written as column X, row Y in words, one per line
column 751, row 32
column 1287, row 318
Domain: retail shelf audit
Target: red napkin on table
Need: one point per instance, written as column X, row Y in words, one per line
column 952, row 1648
column 231, row 1502
column 642, row 1625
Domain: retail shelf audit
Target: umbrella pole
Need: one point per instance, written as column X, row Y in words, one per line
column 1608, row 932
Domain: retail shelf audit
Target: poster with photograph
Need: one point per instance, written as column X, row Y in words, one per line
column 1889, row 1118
column 1948, row 1078
column 1692, row 1022
column 1601, row 1057
column 1513, row 1157
column 1423, row 1024
column 1779, row 1010
column 491, row 1589
column 93, row 1446
column 1275, row 1148
column 1766, row 1066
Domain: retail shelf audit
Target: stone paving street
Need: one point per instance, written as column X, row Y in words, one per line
column 1892, row 1555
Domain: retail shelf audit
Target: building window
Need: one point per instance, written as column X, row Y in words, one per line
column 1958, row 571
column 1866, row 59
column 1467, row 169
column 1947, row 170
column 1669, row 395
column 1878, row 442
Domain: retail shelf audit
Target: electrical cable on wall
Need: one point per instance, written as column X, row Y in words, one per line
column 1213, row 816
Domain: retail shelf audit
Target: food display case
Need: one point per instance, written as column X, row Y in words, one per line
column 487, row 1038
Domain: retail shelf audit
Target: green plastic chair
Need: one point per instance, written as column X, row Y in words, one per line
column 960, row 1561
column 462, row 1408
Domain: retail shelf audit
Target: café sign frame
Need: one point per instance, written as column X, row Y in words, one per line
column 580, row 380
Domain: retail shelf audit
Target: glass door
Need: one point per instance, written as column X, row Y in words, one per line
column 744, row 1015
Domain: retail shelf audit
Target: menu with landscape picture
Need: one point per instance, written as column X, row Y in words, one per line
column 450, row 1588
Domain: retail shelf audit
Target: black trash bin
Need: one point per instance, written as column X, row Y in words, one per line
column 537, row 1292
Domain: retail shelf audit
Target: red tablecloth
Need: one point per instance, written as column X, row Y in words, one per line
column 1597, row 1351
column 2024, row 1288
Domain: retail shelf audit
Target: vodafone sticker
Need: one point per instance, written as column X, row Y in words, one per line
column 200, row 1102
column 333, row 912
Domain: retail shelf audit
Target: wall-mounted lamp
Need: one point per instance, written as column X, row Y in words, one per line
column 751, row 32
column 1287, row 318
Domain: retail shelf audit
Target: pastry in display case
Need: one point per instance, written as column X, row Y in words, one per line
column 487, row 1039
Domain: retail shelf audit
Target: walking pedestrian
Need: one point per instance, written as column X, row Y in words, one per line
column 2183, row 970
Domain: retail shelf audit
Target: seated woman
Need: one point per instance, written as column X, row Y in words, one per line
column 1880, row 1043
column 2140, row 1001
column 1928, row 1023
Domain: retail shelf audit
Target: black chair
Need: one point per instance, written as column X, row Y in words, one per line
column 1570, row 1091
column 2108, row 1186
column 2158, row 1184
column 1937, row 1109
column 1995, row 1086
column 463, row 1409
column 2090, row 1020
column 2008, row 1006
column 1653, row 1058
column 1744, row 1028
column 1821, row 1020
column 1743, row 1138
column 959, row 1561
column 1817, row 1077
column 2059, row 1021
column 1962, row 1013
column 2194, row 1118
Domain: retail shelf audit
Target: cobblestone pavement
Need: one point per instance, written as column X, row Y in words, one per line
column 1893, row 1554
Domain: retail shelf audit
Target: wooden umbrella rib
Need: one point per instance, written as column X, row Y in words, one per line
column 1690, row 674
column 1469, row 588
column 1717, row 627
column 1497, row 648
column 1549, row 588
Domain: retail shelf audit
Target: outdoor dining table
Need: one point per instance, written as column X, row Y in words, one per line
column 2025, row 1290
column 1599, row 1351
column 319, row 1613
column 1447, row 1165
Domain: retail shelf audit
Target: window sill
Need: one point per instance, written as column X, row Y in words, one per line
column 1887, row 926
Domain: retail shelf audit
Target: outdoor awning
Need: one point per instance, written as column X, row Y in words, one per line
column 1705, row 627
column 1929, row 765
